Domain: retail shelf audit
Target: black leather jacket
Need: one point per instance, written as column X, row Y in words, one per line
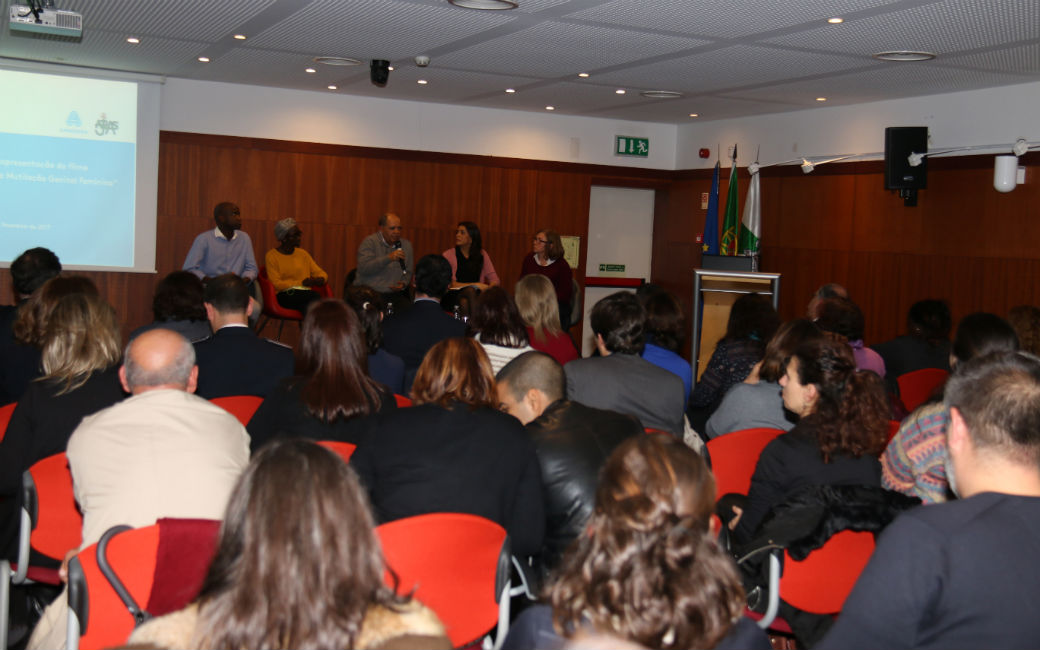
column 573, row 442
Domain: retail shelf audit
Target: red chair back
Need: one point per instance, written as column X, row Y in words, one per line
column 5, row 417
column 453, row 562
column 734, row 456
column 917, row 386
column 893, row 429
column 271, row 306
column 241, row 406
column 402, row 401
column 821, row 583
column 344, row 449
column 59, row 524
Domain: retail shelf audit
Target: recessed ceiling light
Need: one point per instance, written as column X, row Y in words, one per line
column 821, row 99
column 835, row 20
column 693, row 114
column 336, row 60
column 660, row 94
column 331, row 87
column 619, row 91
column 310, row 70
column 583, row 75
column 904, row 55
column 203, row 59
column 422, row 82
column 510, row 90
column 240, row 37
column 485, row 5
column 550, row 108
column 134, row 40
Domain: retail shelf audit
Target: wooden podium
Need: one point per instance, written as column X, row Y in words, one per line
column 714, row 292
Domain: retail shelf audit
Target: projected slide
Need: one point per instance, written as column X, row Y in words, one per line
column 67, row 167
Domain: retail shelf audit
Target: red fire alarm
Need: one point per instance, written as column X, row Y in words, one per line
column 704, row 152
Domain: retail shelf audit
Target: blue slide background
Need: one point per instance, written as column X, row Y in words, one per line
column 84, row 224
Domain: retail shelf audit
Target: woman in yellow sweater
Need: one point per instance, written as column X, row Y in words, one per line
column 291, row 269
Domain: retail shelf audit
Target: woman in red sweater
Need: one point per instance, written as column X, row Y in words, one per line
column 546, row 258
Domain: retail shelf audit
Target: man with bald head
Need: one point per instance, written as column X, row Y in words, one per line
column 162, row 452
column 385, row 261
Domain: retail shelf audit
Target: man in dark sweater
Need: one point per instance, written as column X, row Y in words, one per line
column 964, row 574
column 572, row 441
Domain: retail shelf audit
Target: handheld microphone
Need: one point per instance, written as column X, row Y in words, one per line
column 397, row 247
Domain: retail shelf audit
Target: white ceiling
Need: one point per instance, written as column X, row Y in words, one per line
column 729, row 59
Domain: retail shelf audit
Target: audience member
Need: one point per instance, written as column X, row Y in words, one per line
column 225, row 249
column 665, row 331
column 454, row 451
column 384, row 367
column 915, row 460
column 28, row 273
column 470, row 263
column 162, row 452
column 386, row 262
column 536, row 303
column 291, row 270
column 1025, row 319
column 756, row 402
column 497, row 326
column 752, row 322
column 546, row 258
column 620, row 379
column 331, row 395
column 829, row 290
column 80, row 364
column 235, row 361
column 411, row 334
column 298, row 565
column 572, row 440
column 648, row 571
column 842, row 425
column 844, row 318
column 926, row 343
column 177, row 306
column 963, row 574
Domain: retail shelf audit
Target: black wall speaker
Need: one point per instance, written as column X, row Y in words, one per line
column 900, row 142
column 380, row 72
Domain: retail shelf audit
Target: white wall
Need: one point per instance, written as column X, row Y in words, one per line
column 253, row 111
column 978, row 117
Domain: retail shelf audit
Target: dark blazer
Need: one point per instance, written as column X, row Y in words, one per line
column 573, row 442
column 235, row 361
column 411, row 334
column 19, row 364
column 629, row 384
column 426, row 458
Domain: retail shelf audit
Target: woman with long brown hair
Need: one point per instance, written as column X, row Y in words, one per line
column 497, row 325
column 297, row 565
column 454, row 451
column 842, row 427
column 331, row 395
column 648, row 570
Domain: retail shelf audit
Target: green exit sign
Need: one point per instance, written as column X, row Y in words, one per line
column 611, row 268
column 628, row 146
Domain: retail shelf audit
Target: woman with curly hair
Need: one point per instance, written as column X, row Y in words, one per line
column 297, row 565
column 842, row 427
column 454, row 451
column 648, row 570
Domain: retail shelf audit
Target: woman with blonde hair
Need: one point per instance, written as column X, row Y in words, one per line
column 648, row 570
column 546, row 258
column 80, row 359
column 298, row 565
column 536, row 302
column 454, row 451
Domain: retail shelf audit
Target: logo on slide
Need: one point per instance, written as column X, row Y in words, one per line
column 105, row 126
column 73, row 119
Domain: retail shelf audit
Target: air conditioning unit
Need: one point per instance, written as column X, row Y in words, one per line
column 56, row 22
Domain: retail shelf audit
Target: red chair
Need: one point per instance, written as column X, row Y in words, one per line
column 272, row 309
column 344, row 449
column 50, row 524
column 402, row 401
column 5, row 417
column 917, row 386
column 241, row 406
column 734, row 456
column 893, row 429
column 458, row 565
column 821, row 582
column 162, row 563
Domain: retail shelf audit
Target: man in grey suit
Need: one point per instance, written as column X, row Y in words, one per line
column 621, row 380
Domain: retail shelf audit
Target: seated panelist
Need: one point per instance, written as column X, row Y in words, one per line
column 292, row 270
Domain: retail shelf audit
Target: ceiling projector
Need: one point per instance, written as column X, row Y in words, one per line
column 56, row 22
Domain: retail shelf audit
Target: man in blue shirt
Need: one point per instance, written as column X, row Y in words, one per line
column 225, row 249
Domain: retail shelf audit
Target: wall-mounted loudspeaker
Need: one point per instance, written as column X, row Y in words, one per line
column 900, row 142
column 380, row 72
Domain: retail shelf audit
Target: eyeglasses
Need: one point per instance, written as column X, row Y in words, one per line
column 541, row 241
